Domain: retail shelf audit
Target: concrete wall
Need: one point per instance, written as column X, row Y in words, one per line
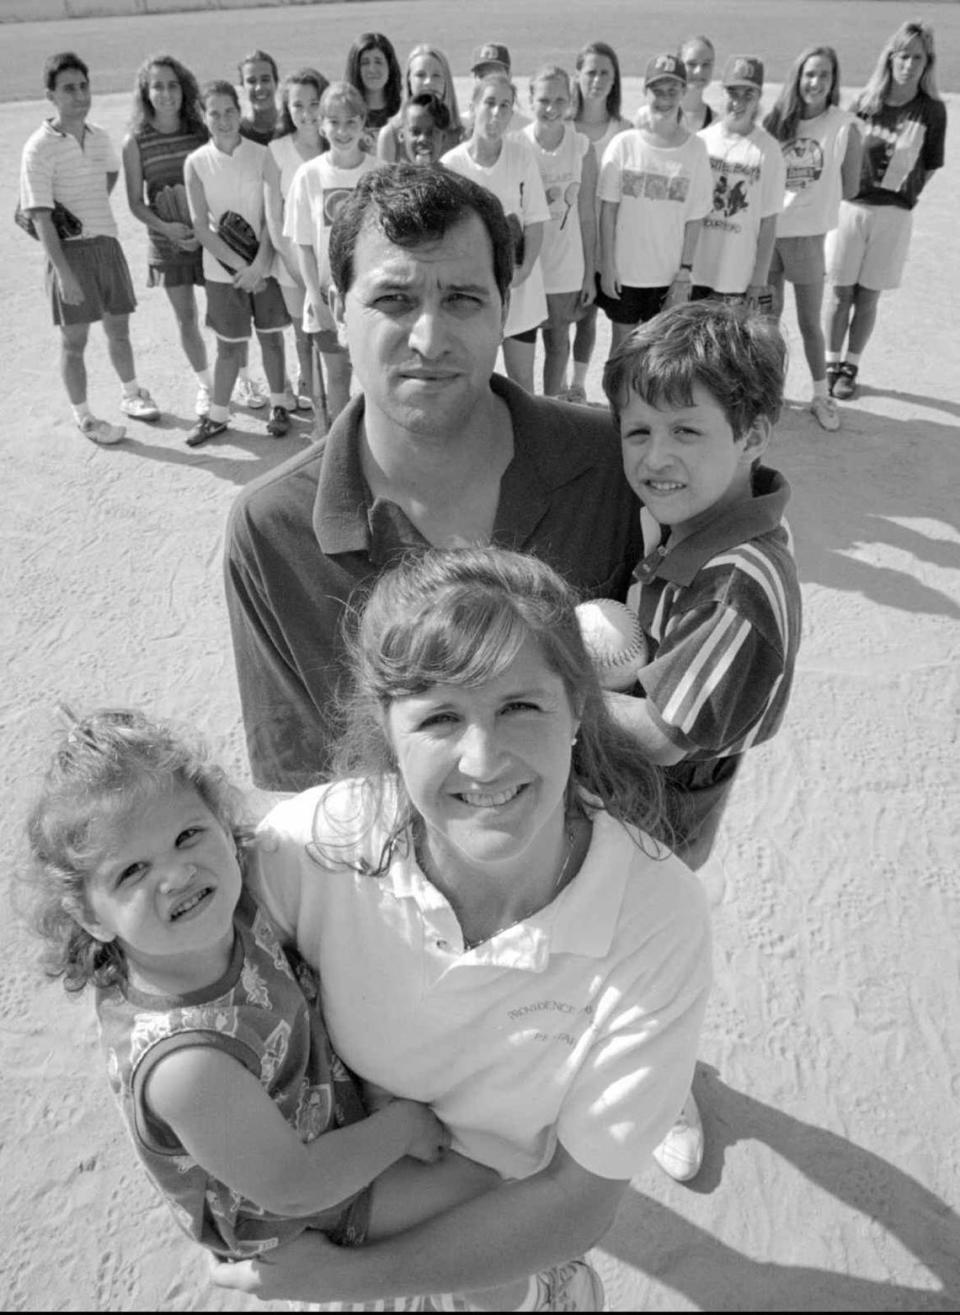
column 22, row 11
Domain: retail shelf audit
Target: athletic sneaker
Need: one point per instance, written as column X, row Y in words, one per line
column 100, row 431
column 845, row 384
column 574, row 1285
column 248, row 393
column 205, row 428
column 827, row 413
column 680, row 1154
column 140, row 406
column 575, row 393
column 279, row 421
column 201, row 406
column 833, row 372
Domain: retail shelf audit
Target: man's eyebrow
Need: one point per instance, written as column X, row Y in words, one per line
column 403, row 282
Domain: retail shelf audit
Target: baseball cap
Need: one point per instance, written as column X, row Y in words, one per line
column 662, row 67
column 743, row 71
column 491, row 53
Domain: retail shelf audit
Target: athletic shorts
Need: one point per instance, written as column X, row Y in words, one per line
column 764, row 302
column 231, row 311
column 527, row 335
column 799, row 259
column 869, row 246
column 634, row 305
column 101, row 268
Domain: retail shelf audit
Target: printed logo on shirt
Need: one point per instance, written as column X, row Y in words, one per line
column 654, row 186
column 560, row 197
column 804, row 160
column 904, row 144
column 730, row 198
column 333, row 201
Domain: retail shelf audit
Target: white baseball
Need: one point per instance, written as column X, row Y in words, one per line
column 614, row 640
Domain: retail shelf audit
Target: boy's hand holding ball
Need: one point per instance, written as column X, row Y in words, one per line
column 614, row 640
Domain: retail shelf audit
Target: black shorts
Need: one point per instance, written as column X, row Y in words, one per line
column 634, row 305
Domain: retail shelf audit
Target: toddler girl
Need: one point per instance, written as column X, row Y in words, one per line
column 245, row 1118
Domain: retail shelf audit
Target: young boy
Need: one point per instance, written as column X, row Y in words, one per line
column 73, row 163
column 696, row 392
column 749, row 177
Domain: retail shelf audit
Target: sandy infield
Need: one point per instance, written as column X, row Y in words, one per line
column 830, row 1080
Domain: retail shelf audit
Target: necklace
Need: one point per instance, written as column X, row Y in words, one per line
column 571, row 848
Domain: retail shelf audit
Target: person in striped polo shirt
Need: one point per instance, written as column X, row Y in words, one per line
column 696, row 392
column 71, row 162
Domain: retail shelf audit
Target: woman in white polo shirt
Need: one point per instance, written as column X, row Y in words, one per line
column 494, row 934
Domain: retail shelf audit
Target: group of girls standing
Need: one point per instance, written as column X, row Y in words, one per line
column 853, row 176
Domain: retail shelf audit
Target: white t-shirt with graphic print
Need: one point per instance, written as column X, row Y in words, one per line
column 748, row 185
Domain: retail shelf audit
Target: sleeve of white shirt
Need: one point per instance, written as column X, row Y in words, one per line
column 535, row 208
column 611, row 172
column 110, row 157
column 36, row 179
column 281, row 874
column 297, row 217
column 701, row 185
column 773, row 181
column 649, row 1014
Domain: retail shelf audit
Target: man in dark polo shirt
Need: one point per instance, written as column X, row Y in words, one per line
column 436, row 449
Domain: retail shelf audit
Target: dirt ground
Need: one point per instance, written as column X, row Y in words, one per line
column 830, row 1079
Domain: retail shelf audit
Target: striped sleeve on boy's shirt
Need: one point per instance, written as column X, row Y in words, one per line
column 723, row 649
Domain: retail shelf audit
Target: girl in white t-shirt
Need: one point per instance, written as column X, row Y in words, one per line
column 821, row 151
column 317, row 191
column 655, row 188
column 568, row 170
column 698, row 57
column 507, row 167
column 594, row 111
column 298, row 140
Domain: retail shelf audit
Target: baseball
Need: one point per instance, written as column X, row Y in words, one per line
column 614, row 640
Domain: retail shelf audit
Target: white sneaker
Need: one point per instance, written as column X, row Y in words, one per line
column 574, row 1285
column 680, row 1154
column 140, row 406
column 249, row 393
column 827, row 413
column 201, row 406
column 100, row 432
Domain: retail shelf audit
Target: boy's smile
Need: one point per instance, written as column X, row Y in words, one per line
column 684, row 462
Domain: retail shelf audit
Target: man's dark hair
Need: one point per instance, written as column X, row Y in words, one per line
column 412, row 205
column 57, row 64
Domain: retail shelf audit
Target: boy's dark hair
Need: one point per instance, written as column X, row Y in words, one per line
column 427, row 100
column 54, row 65
column 411, row 205
column 258, row 57
column 218, row 87
column 739, row 357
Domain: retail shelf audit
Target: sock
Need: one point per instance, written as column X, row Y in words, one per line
column 130, row 388
column 82, row 412
column 833, row 358
column 853, row 358
column 279, row 399
column 219, row 413
column 244, row 372
column 205, row 379
column 820, row 388
column 580, row 369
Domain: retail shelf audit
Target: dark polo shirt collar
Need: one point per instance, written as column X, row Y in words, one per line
column 736, row 525
column 345, row 519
